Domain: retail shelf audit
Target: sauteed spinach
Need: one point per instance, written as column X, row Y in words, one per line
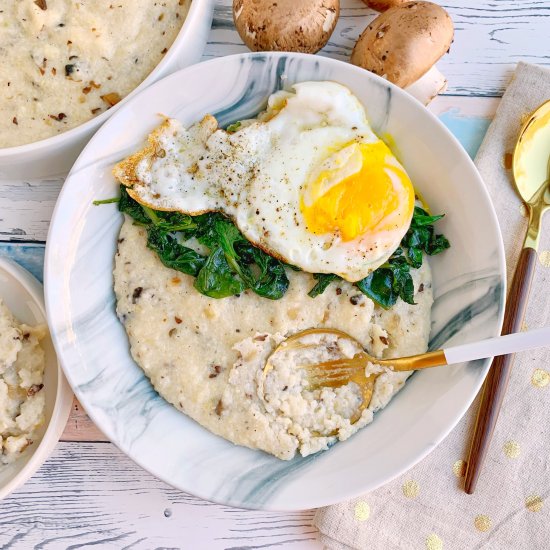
column 233, row 264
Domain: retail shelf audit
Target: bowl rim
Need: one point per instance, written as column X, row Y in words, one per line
column 194, row 13
column 487, row 362
column 63, row 392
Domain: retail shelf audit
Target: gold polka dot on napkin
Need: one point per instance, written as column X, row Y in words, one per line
column 459, row 468
column 482, row 523
column 362, row 511
column 410, row 488
column 512, row 449
column 544, row 258
column 540, row 378
column 534, row 503
column 434, row 542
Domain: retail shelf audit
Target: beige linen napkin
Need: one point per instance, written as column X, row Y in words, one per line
column 510, row 510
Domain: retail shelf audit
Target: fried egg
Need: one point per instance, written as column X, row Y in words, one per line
column 308, row 181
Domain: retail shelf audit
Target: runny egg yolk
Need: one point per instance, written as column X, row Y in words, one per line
column 355, row 190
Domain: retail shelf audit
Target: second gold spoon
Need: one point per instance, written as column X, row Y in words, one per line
column 531, row 171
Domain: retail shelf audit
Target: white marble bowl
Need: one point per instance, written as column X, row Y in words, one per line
column 55, row 155
column 469, row 281
column 23, row 295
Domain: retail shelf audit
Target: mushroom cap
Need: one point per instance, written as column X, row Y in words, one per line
column 383, row 5
column 285, row 25
column 403, row 43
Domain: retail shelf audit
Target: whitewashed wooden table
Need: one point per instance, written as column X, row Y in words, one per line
column 90, row 494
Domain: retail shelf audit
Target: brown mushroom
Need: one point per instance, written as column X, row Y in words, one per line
column 285, row 25
column 383, row 5
column 404, row 43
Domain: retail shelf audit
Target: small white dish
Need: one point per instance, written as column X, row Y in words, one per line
column 23, row 295
column 54, row 156
column 469, row 283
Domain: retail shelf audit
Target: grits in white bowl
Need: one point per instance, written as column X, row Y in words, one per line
column 205, row 356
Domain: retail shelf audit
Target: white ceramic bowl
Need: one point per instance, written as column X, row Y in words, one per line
column 92, row 344
column 55, row 155
column 23, row 295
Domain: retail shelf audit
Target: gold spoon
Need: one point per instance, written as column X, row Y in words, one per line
column 531, row 170
column 346, row 360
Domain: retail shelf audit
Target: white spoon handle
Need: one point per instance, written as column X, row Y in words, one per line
column 501, row 345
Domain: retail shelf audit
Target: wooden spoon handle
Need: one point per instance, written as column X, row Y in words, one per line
column 499, row 374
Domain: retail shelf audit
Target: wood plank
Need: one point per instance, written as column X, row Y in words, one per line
column 80, row 427
column 90, row 494
column 490, row 38
column 26, row 209
column 464, row 107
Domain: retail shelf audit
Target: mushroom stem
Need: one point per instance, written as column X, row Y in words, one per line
column 428, row 86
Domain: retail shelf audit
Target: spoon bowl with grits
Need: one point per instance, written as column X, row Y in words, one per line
column 332, row 358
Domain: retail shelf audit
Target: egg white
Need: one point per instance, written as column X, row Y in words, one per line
column 260, row 174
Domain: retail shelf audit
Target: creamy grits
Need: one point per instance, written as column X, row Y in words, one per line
column 22, row 396
column 206, row 356
column 62, row 62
